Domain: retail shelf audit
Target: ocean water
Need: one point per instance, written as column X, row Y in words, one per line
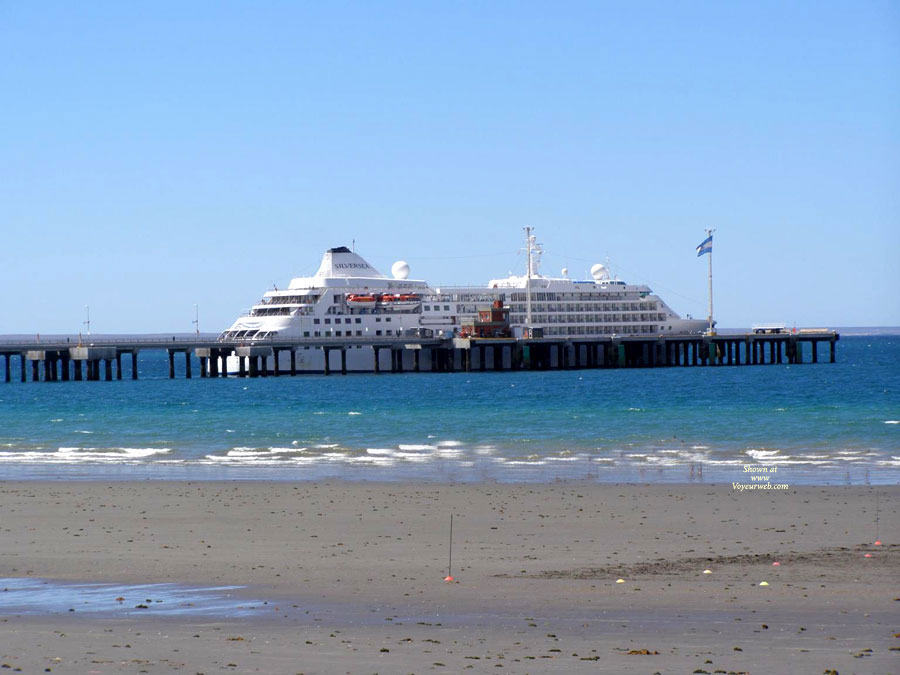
column 818, row 424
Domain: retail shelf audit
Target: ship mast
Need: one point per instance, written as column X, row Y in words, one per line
column 528, row 244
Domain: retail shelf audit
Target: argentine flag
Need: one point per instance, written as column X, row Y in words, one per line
column 705, row 246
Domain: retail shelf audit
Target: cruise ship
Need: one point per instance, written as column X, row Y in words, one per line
column 348, row 299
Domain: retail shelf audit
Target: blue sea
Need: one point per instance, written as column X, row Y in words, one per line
column 817, row 423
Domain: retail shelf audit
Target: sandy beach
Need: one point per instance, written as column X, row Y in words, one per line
column 348, row 577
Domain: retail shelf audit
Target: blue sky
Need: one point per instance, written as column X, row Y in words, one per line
column 154, row 155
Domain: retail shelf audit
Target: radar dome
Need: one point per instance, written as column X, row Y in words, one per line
column 400, row 269
column 565, row 272
column 599, row 272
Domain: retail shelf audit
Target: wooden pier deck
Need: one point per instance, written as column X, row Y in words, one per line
column 66, row 359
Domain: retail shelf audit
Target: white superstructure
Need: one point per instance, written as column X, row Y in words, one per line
column 347, row 298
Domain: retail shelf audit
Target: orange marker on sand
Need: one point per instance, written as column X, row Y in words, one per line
column 877, row 543
column 776, row 564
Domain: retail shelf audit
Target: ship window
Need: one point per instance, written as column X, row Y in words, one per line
column 359, row 332
column 306, row 333
column 348, row 320
column 387, row 332
column 336, row 299
column 359, row 321
column 327, row 333
column 316, row 321
column 377, row 332
column 318, row 333
column 387, row 319
column 427, row 308
column 378, row 319
column 337, row 333
column 327, row 320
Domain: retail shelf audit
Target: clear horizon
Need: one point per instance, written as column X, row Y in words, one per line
column 163, row 155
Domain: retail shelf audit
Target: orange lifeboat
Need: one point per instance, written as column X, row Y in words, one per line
column 360, row 301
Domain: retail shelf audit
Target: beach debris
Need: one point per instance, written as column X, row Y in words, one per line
column 620, row 581
column 707, row 571
column 120, row 599
column 641, row 652
column 763, row 583
column 867, row 555
column 877, row 542
column 776, row 564
column 449, row 578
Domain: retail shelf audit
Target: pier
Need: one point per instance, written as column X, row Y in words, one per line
column 59, row 360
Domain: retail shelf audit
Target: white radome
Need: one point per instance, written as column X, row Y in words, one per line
column 400, row 269
column 598, row 271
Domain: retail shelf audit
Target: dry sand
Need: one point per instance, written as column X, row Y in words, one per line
column 352, row 574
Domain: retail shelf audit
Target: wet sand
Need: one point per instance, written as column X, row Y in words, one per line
column 348, row 577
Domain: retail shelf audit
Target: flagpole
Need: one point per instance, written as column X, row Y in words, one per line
column 711, row 331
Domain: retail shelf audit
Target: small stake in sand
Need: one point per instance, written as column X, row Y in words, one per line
column 877, row 540
column 449, row 576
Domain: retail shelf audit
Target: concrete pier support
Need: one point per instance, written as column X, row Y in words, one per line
column 832, row 344
column 254, row 366
column 416, row 359
column 815, row 351
column 76, row 368
column 293, row 362
column 118, row 365
column 64, row 366
column 171, row 364
column 134, row 365
column 223, row 367
column 187, row 364
column 203, row 367
column 214, row 362
column 107, row 363
column 375, row 353
column 6, row 376
column 276, row 370
column 327, row 353
column 35, row 371
column 242, row 366
column 343, row 362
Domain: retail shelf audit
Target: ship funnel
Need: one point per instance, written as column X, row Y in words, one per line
column 342, row 262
